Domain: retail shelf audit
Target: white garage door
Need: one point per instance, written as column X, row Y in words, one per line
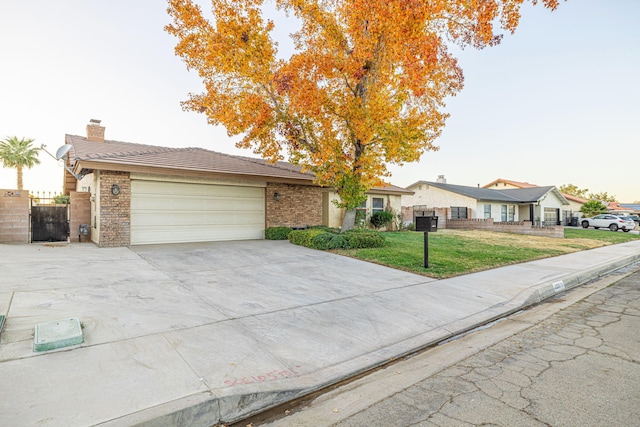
column 172, row 212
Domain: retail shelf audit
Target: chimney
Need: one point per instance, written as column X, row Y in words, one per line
column 95, row 132
column 441, row 179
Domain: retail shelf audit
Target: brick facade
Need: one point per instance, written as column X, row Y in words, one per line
column 295, row 205
column 14, row 216
column 115, row 210
column 523, row 227
column 79, row 213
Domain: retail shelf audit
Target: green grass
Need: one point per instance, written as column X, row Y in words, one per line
column 600, row 235
column 456, row 252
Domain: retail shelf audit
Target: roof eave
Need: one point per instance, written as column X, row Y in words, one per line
column 141, row 168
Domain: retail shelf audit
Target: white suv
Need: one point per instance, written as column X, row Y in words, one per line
column 612, row 222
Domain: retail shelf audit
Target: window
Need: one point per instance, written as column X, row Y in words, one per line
column 458, row 212
column 508, row 213
column 377, row 204
column 487, row 211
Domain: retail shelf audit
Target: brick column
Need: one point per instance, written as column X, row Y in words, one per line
column 115, row 210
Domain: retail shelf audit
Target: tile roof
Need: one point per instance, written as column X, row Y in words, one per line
column 186, row 159
column 574, row 198
column 510, row 182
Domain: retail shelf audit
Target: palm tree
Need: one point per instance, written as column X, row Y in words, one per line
column 18, row 153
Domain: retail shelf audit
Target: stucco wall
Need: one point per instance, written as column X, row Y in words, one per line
column 434, row 197
column 333, row 215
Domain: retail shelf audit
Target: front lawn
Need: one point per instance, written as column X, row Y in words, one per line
column 456, row 252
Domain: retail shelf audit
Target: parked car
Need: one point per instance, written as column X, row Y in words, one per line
column 612, row 222
column 636, row 218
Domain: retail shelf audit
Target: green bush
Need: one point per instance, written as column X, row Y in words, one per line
column 321, row 241
column 320, row 238
column 338, row 241
column 381, row 219
column 324, row 228
column 277, row 233
column 411, row 227
column 364, row 239
column 304, row 237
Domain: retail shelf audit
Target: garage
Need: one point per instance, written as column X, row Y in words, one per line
column 178, row 212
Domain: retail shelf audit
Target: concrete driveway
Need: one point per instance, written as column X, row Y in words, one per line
column 194, row 334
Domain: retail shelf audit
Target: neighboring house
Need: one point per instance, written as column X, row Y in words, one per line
column 144, row 194
column 504, row 184
column 570, row 213
column 616, row 208
column 536, row 204
column 634, row 208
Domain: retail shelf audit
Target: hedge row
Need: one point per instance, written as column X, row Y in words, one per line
column 324, row 239
column 277, row 233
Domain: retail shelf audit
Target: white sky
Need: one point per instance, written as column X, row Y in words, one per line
column 556, row 103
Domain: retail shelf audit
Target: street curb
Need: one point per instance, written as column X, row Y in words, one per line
column 551, row 288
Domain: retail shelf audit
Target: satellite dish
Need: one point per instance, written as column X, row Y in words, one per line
column 63, row 150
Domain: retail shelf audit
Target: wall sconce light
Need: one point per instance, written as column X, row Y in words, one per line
column 115, row 189
column 276, row 196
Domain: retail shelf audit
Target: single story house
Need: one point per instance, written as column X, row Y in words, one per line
column 634, row 208
column 145, row 194
column 570, row 213
column 541, row 205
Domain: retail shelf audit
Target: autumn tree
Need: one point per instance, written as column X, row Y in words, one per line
column 573, row 190
column 602, row 196
column 18, row 153
column 365, row 86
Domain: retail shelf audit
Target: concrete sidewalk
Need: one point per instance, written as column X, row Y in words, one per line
column 196, row 334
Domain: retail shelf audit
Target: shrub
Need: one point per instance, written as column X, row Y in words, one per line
column 304, row 237
column 321, row 241
column 277, row 233
column 320, row 238
column 325, row 228
column 381, row 219
column 363, row 239
column 338, row 241
column 62, row 199
column 411, row 226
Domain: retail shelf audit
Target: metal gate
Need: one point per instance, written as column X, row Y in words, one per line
column 49, row 221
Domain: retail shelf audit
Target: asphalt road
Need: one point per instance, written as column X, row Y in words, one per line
column 573, row 361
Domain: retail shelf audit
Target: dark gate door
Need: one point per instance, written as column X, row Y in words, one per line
column 49, row 223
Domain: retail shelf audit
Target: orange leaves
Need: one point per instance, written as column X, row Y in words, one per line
column 366, row 84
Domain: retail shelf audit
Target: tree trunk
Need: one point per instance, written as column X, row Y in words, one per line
column 19, row 169
column 349, row 220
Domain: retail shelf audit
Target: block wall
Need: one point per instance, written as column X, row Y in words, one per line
column 14, row 216
column 524, row 227
column 79, row 213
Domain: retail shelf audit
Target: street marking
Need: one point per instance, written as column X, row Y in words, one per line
column 558, row 286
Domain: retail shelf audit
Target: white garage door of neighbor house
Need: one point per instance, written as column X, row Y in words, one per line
column 173, row 212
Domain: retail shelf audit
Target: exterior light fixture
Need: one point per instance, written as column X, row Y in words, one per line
column 115, row 189
column 276, row 196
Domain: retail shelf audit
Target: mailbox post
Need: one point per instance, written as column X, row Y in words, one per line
column 427, row 224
